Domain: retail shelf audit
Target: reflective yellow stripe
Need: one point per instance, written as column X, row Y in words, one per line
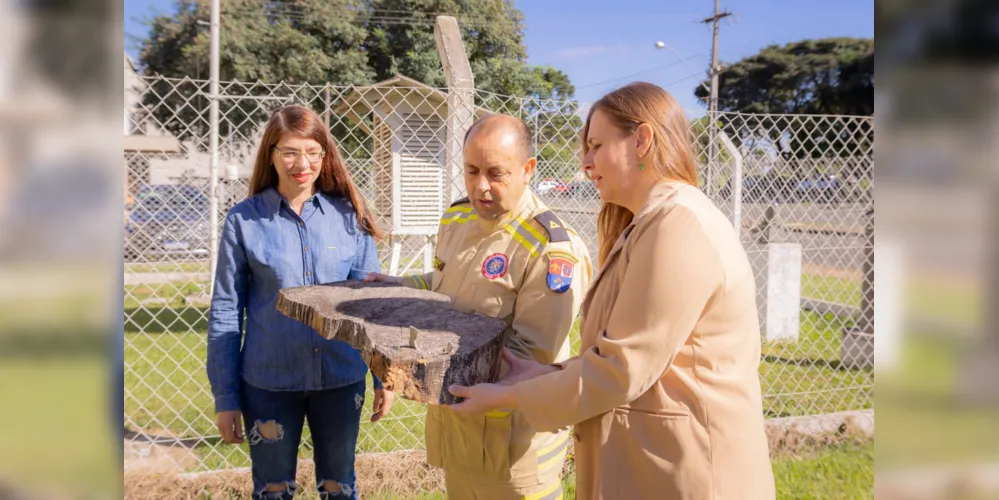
column 558, row 442
column 498, row 414
column 458, row 209
column 526, row 235
column 550, row 493
column 459, row 218
column 563, row 444
column 548, row 463
column 420, row 282
column 523, row 241
column 527, row 226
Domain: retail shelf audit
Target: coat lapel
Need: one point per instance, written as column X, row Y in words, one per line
column 661, row 194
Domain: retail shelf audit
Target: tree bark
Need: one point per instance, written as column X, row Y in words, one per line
column 412, row 340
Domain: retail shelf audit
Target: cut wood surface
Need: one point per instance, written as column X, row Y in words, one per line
column 412, row 340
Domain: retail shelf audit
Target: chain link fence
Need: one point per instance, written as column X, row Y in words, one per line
column 800, row 188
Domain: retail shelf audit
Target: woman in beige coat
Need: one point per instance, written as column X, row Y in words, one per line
column 665, row 393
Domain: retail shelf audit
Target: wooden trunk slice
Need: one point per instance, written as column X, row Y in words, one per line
column 384, row 321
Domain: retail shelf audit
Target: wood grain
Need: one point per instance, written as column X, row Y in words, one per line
column 382, row 319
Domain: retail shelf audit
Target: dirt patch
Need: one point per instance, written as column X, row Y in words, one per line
column 398, row 473
column 147, row 457
column 159, row 474
column 803, row 436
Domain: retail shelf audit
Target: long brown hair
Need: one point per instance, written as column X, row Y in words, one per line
column 671, row 155
column 333, row 178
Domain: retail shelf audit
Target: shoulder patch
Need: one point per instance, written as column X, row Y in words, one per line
column 560, row 270
column 551, row 223
column 460, row 202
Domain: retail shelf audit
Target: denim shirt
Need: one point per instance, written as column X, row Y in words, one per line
column 266, row 246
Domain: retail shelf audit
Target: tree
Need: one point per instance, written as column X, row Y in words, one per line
column 833, row 76
column 828, row 76
column 336, row 42
column 300, row 42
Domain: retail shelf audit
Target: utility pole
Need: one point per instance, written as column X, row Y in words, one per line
column 713, row 102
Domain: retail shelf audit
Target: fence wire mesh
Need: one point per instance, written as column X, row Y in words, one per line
column 806, row 193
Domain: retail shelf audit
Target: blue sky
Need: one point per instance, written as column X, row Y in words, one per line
column 602, row 45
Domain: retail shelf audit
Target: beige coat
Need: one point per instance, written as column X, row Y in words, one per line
column 665, row 394
column 501, row 268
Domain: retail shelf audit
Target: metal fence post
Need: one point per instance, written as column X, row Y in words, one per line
column 166, row 395
column 213, row 145
column 736, row 181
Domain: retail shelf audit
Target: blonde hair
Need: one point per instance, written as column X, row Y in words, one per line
column 671, row 156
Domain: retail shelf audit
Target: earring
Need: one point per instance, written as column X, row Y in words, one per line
column 641, row 165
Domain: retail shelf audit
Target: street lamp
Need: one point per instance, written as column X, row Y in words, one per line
column 712, row 114
column 660, row 45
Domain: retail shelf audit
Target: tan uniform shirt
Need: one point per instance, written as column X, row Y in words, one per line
column 531, row 270
column 665, row 393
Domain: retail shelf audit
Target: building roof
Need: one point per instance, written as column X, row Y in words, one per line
column 397, row 88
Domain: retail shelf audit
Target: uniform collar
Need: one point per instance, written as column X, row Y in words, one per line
column 525, row 205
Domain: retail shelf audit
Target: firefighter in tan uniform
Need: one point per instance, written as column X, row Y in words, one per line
column 502, row 253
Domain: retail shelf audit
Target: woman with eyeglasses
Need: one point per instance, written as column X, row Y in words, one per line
column 304, row 223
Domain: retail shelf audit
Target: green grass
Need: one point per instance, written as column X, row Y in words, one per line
column 944, row 300
column 160, row 295
column 805, row 378
column 56, row 434
column 922, row 419
column 845, row 471
column 167, row 393
column 831, row 289
column 167, row 267
column 952, row 301
column 168, row 390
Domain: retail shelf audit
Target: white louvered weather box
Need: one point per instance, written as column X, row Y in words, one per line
column 407, row 126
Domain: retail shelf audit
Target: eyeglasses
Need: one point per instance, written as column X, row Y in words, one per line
column 292, row 156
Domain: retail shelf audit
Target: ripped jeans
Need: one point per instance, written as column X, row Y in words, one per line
column 274, row 422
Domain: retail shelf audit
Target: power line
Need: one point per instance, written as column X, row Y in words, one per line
column 657, row 68
column 395, row 17
column 383, row 20
column 674, row 82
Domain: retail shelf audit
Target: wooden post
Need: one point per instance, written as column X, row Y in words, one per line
column 326, row 105
column 857, row 349
column 866, row 321
column 460, row 101
column 980, row 368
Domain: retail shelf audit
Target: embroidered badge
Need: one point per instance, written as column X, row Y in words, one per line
column 438, row 264
column 560, row 267
column 495, row 266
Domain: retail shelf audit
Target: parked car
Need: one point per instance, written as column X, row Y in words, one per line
column 51, row 212
column 546, row 186
column 168, row 221
column 765, row 188
column 584, row 190
column 823, row 189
